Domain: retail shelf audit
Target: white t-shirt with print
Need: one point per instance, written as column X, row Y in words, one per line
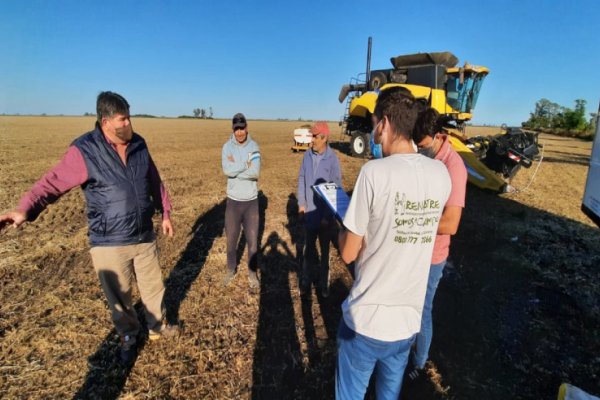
column 396, row 206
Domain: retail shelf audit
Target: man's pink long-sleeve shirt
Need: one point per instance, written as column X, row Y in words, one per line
column 71, row 171
column 458, row 176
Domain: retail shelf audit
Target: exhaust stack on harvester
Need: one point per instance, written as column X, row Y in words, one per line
column 368, row 62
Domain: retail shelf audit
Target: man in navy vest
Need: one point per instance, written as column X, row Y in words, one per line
column 123, row 190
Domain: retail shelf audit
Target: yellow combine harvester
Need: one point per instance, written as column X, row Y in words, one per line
column 453, row 92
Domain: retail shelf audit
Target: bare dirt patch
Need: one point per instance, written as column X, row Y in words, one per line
column 516, row 314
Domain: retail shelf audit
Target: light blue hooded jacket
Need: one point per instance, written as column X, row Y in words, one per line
column 241, row 179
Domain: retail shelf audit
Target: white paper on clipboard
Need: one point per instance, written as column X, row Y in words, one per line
column 336, row 199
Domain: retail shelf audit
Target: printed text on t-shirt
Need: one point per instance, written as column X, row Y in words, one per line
column 412, row 218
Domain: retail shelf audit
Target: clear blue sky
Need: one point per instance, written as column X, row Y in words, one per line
column 277, row 59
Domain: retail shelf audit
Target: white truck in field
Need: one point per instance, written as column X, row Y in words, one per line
column 302, row 138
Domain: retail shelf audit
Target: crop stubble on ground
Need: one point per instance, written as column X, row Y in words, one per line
column 516, row 313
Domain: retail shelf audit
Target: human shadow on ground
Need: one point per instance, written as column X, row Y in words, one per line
column 278, row 361
column 321, row 348
column 282, row 369
column 329, row 307
column 295, row 229
column 320, row 333
column 513, row 312
column 106, row 376
column 206, row 229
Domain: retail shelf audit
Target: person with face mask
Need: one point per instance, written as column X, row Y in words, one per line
column 375, row 147
column 389, row 229
column 122, row 190
column 432, row 142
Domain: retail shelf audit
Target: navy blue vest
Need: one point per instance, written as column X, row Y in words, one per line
column 118, row 196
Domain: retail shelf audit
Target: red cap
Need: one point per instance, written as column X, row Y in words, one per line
column 320, row 128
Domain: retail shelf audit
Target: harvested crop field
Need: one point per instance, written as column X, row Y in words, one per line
column 516, row 314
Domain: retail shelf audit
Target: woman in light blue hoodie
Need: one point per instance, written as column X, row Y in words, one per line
column 240, row 159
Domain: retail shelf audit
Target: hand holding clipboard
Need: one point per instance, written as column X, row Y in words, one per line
column 336, row 199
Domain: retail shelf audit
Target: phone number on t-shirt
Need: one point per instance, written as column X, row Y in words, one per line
column 413, row 239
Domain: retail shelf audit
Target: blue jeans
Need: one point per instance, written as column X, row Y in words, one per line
column 421, row 352
column 358, row 355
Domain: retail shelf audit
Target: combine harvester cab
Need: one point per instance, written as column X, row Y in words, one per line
column 452, row 91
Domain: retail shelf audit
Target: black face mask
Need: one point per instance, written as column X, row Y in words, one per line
column 427, row 151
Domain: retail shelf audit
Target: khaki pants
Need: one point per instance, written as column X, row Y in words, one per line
column 117, row 267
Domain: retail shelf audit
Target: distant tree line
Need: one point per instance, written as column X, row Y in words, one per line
column 202, row 113
column 553, row 118
column 89, row 114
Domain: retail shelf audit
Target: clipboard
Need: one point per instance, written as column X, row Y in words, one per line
column 336, row 199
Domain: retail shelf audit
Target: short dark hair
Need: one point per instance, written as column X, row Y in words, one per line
column 399, row 106
column 428, row 124
column 109, row 104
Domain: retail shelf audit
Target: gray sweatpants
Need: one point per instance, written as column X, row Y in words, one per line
column 117, row 267
column 240, row 214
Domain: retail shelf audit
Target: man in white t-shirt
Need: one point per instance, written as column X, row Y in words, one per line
column 391, row 225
